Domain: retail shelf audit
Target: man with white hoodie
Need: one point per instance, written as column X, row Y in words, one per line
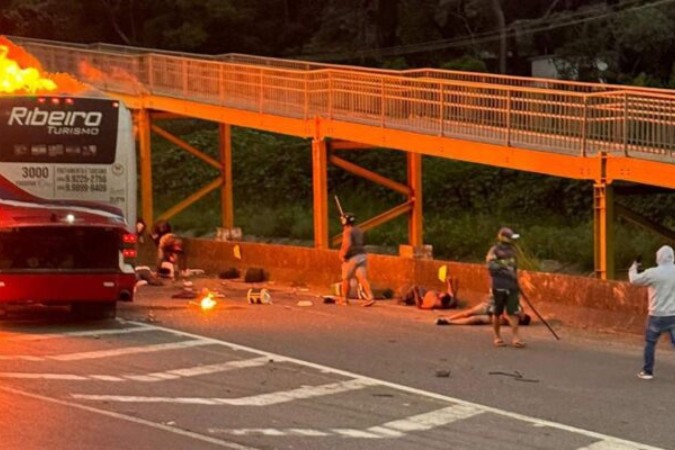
column 660, row 281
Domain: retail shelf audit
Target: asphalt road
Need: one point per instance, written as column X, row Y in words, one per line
column 282, row 376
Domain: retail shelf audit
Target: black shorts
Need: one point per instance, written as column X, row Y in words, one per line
column 506, row 299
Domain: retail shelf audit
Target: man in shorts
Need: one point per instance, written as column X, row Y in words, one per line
column 503, row 269
column 354, row 260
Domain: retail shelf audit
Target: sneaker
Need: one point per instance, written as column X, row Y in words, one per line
column 368, row 303
column 645, row 376
column 442, row 321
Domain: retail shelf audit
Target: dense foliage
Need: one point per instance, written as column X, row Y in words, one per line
column 618, row 41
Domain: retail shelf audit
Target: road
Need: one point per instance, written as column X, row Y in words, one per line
column 283, row 376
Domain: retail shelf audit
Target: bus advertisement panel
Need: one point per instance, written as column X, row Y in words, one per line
column 65, row 148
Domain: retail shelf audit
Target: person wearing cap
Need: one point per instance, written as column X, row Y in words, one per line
column 660, row 282
column 502, row 266
column 354, row 260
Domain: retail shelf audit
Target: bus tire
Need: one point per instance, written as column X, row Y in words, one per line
column 95, row 311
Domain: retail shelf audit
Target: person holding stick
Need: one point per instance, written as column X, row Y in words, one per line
column 503, row 269
column 660, row 281
column 354, row 259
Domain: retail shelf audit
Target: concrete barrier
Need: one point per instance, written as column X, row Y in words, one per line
column 574, row 300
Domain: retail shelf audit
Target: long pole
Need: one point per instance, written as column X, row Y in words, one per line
column 337, row 200
column 529, row 303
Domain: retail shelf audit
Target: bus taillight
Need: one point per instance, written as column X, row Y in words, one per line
column 129, row 251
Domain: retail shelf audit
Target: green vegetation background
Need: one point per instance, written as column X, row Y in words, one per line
column 464, row 204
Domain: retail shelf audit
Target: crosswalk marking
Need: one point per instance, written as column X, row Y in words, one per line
column 85, row 333
column 388, row 430
column 459, row 410
column 427, row 421
column 606, row 445
column 108, row 353
column 273, row 398
column 43, row 376
column 148, row 378
column 617, row 443
column 132, row 419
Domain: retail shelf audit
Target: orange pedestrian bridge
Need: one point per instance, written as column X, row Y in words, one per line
column 589, row 131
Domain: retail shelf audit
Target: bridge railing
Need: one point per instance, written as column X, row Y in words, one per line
column 629, row 123
column 305, row 65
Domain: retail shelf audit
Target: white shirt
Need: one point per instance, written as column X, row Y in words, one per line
column 660, row 281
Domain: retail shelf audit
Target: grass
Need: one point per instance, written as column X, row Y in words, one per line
column 465, row 237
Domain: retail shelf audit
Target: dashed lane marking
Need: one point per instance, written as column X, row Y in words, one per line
column 273, row 398
column 108, row 353
column 148, row 378
column 132, row 419
column 612, row 442
column 394, row 429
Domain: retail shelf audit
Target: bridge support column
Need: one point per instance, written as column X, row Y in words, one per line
column 320, row 184
column 415, row 218
column 143, row 124
column 603, row 230
column 226, row 196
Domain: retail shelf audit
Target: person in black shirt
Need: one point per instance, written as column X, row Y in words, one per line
column 354, row 260
column 503, row 269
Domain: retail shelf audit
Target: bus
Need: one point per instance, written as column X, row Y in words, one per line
column 67, row 202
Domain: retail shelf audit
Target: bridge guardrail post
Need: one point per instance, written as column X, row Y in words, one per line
column 184, row 67
column 306, row 105
column 625, row 124
column 508, row 117
column 584, row 125
column 441, row 115
column 221, row 83
column 261, row 89
column 151, row 75
column 382, row 103
column 330, row 94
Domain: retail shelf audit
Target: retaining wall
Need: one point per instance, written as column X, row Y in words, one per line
column 574, row 300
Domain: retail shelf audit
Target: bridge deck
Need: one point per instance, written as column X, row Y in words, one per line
column 546, row 126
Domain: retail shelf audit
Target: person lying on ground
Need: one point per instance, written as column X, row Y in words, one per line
column 481, row 314
column 433, row 299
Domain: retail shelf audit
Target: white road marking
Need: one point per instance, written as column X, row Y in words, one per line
column 389, row 430
column 213, row 368
column 67, row 334
column 43, row 376
column 306, row 432
column 357, row 434
column 427, row 421
column 605, row 445
column 150, row 377
column 272, row 398
column 105, row 378
column 616, row 442
column 136, row 420
column 108, row 353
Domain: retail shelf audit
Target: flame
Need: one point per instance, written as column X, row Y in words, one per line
column 14, row 79
column 207, row 303
column 22, row 73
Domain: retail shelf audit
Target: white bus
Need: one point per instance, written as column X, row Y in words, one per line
column 67, row 202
